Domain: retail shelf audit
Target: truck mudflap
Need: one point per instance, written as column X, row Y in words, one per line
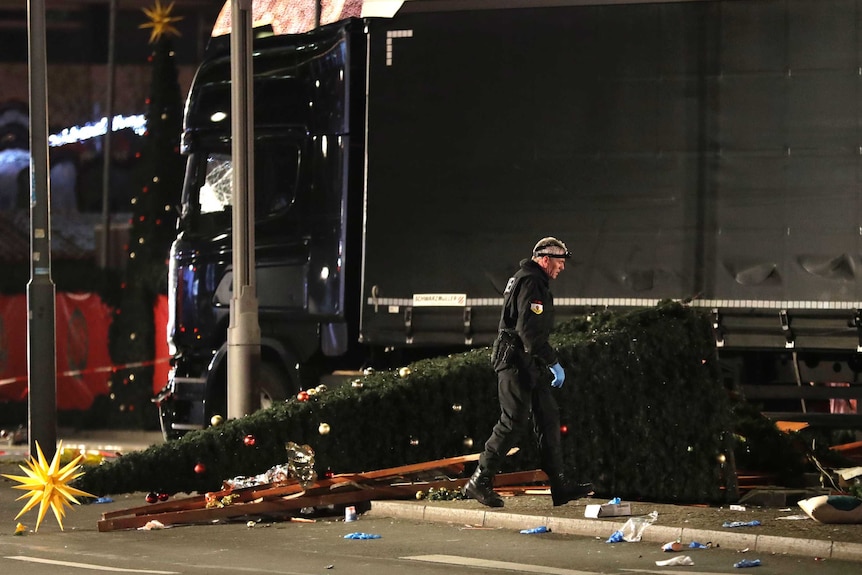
column 181, row 405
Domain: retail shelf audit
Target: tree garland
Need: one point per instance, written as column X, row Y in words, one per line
column 644, row 412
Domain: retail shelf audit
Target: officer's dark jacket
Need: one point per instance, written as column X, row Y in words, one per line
column 528, row 308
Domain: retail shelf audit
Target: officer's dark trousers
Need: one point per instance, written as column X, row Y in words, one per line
column 520, row 393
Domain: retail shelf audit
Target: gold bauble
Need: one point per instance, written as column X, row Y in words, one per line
column 323, row 429
column 216, row 420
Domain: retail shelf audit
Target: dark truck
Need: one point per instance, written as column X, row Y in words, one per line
column 700, row 151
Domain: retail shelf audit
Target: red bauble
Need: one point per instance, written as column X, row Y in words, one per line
column 152, row 497
column 248, row 440
column 163, row 496
column 200, row 468
column 302, row 396
column 564, row 429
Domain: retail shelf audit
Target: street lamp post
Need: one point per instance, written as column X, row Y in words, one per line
column 41, row 348
column 243, row 334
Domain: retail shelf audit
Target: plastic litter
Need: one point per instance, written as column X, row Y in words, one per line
column 152, row 525
column 672, row 546
column 539, row 529
column 615, row 501
column 696, row 545
column 633, row 528
column 678, row 560
column 358, row 535
column 754, row 523
column 747, row 563
column 350, row 513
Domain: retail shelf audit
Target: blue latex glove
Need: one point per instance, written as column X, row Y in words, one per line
column 559, row 375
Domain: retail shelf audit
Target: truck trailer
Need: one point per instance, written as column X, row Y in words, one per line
column 702, row 151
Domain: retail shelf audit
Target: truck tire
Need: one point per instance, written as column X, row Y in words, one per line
column 275, row 385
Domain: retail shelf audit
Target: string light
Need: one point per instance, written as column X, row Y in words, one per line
column 137, row 123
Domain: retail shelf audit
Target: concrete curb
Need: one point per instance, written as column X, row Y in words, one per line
column 656, row 533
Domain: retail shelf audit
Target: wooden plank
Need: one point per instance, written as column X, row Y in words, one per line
column 787, row 426
column 454, row 465
column 793, row 391
column 520, row 477
column 243, row 494
column 418, row 467
column 315, row 496
column 278, row 506
column 820, row 419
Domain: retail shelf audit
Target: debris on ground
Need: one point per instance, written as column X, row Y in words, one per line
column 287, row 497
column 735, row 524
column 678, row 560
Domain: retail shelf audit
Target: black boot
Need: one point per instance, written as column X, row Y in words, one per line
column 562, row 491
column 481, row 488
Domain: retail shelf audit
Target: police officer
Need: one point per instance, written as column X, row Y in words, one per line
column 519, row 355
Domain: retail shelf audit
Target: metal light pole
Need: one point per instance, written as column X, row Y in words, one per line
column 106, row 148
column 243, row 334
column 41, row 349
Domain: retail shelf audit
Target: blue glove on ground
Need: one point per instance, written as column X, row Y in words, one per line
column 559, row 375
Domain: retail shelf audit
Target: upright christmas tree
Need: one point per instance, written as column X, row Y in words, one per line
column 158, row 185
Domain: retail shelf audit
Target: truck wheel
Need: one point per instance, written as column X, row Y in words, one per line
column 274, row 384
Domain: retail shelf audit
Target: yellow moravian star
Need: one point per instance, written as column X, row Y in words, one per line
column 161, row 21
column 48, row 485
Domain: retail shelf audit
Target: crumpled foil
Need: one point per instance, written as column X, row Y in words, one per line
column 299, row 466
column 300, row 463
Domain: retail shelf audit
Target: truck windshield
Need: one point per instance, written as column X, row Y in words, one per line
column 276, row 169
column 216, row 192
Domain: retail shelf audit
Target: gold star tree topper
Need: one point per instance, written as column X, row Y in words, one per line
column 48, row 485
column 161, row 21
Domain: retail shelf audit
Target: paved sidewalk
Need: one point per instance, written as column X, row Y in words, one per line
column 658, row 533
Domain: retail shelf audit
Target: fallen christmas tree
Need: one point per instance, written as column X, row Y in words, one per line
column 644, row 413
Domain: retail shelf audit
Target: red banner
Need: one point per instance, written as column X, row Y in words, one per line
column 160, row 370
column 13, row 347
column 83, row 363
column 82, row 345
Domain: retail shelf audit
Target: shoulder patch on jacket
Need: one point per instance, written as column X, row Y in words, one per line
column 536, row 307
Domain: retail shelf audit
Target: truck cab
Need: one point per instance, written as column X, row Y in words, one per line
column 305, row 149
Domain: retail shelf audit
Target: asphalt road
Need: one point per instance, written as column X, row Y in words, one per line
column 404, row 546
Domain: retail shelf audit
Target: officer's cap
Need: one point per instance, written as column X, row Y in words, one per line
column 551, row 247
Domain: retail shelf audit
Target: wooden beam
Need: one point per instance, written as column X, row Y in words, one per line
column 286, row 499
